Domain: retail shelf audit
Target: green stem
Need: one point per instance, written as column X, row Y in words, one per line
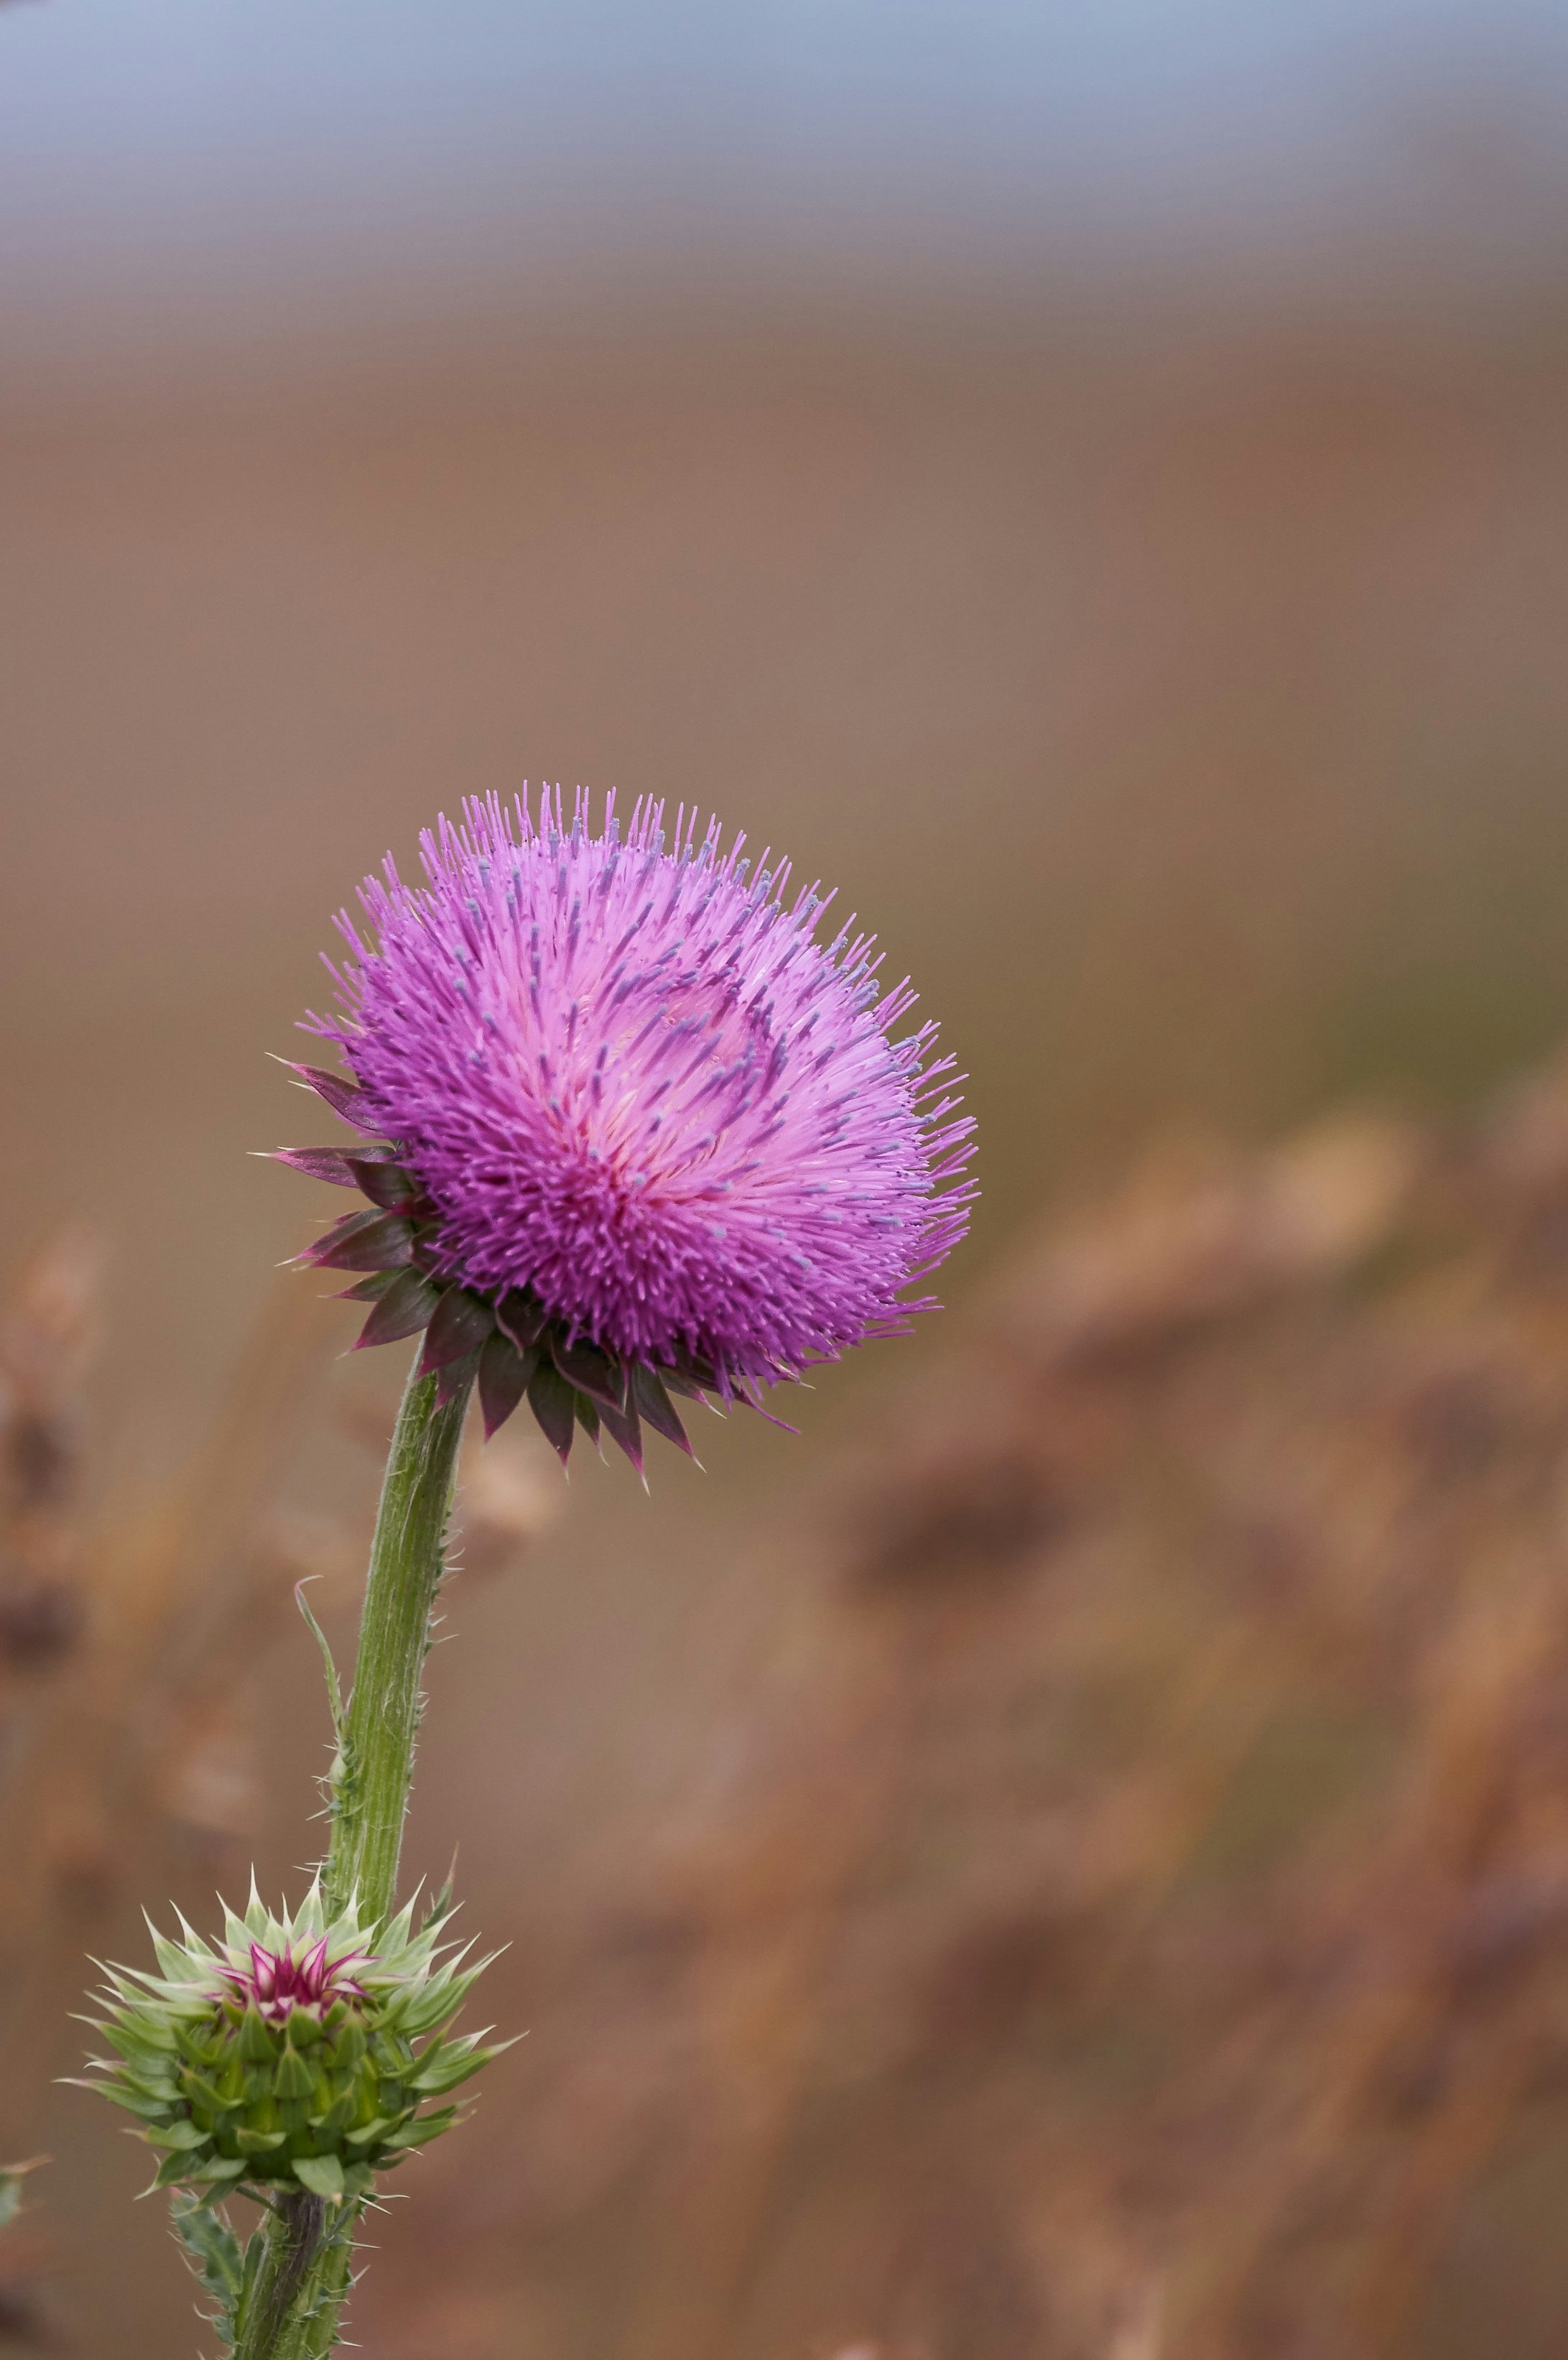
column 293, row 2239
column 407, row 1559
column 291, row 2310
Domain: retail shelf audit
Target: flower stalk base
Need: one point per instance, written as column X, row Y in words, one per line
column 298, row 2058
column 296, row 2307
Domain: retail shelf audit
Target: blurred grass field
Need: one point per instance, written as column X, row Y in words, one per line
column 1183, row 700
column 1183, row 704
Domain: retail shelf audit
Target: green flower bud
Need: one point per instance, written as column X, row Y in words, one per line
column 296, row 2054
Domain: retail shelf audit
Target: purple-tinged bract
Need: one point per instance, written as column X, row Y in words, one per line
column 277, row 1981
column 648, row 1126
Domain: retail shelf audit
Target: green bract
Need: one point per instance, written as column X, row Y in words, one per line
column 297, row 2055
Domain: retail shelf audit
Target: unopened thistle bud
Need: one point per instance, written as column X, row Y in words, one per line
column 633, row 1130
column 299, row 2054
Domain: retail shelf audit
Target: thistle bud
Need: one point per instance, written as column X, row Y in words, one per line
column 299, row 2053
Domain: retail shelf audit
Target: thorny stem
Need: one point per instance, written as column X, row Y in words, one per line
column 293, row 2235
column 291, row 2312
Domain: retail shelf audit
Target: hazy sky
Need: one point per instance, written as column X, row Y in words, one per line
column 153, row 135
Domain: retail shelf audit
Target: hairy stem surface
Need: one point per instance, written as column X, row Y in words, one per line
column 291, row 2312
column 293, row 2237
column 407, row 1559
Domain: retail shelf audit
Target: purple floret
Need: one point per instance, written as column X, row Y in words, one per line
column 631, row 1081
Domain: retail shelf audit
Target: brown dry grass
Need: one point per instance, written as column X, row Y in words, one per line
column 1133, row 1918
column 1086, row 1878
column 1139, row 1926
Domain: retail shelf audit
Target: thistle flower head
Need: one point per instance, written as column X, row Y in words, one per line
column 296, row 2052
column 639, row 1128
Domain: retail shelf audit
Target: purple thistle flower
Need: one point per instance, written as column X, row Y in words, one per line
column 646, row 1134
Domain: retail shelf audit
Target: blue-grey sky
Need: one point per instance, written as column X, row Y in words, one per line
column 147, row 140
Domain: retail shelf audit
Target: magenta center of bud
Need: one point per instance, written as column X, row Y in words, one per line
column 278, row 1981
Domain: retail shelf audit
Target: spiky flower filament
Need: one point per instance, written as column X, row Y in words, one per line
column 632, row 1127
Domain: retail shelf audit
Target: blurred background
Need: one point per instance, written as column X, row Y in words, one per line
column 1069, row 1855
